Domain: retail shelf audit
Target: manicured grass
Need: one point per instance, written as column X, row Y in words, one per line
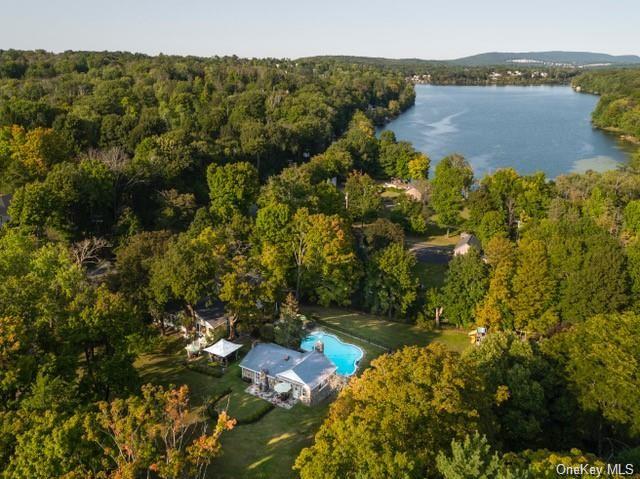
column 166, row 367
column 386, row 333
column 269, row 447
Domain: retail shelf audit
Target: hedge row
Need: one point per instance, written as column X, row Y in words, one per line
column 213, row 400
column 256, row 414
column 215, row 371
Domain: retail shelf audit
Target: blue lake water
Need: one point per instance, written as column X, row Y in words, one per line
column 529, row 128
column 344, row 355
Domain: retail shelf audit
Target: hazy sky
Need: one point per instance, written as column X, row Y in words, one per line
column 293, row 28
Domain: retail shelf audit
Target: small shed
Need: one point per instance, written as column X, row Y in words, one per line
column 223, row 349
column 478, row 335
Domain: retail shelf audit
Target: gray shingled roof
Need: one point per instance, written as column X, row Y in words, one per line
column 313, row 367
column 469, row 239
column 307, row 368
column 271, row 357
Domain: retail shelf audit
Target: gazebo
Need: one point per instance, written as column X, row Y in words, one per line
column 223, row 349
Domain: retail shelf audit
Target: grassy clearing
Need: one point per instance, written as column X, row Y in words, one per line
column 390, row 334
column 269, row 447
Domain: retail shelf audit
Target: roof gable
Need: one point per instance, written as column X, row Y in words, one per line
column 313, row 367
column 468, row 239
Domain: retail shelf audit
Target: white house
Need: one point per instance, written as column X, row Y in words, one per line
column 209, row 318
column 307, row 375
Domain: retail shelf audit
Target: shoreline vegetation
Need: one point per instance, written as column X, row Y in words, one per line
column 618, row 109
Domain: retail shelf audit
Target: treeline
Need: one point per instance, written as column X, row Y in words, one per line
column 445, row 73
column 619, row 105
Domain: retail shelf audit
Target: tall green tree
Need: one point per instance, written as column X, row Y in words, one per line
column 362, row 196
column 452, row 180
column 495, row 310
column 242, row 291
column 465, row 285
column 472, row 459
column 534, row 288
column 191, row 269
column 604, row 356
column 324, row 258
column 232, row 188
column 391, row 284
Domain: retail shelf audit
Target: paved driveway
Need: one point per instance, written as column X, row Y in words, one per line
column 426, row 253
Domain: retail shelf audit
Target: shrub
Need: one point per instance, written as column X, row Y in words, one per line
column 210, row 405
column 257, row 414
column 203, row 368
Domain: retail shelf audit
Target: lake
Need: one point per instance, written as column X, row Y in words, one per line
column 529, row 128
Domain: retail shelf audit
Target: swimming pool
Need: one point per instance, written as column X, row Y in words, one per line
column 344, row 355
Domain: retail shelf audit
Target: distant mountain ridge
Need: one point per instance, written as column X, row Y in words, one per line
column 552, row 58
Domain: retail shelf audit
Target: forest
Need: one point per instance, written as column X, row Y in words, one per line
column 143, row 186
column 618, row 109
column 449, row 73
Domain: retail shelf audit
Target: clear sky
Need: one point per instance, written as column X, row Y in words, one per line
column 292, row 28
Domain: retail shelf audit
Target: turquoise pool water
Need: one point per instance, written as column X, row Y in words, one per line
column 344, row 355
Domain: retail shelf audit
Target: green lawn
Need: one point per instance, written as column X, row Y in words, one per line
column 166, row 367
column 267, row 448
column 386, row 333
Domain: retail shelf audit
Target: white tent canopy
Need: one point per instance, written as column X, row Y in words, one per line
column 282, row 388
column 223, row 348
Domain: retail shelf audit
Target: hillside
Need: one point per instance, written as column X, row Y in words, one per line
column 555, row 58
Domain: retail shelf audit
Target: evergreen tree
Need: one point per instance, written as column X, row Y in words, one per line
column 533, row 288
column 495, row 311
